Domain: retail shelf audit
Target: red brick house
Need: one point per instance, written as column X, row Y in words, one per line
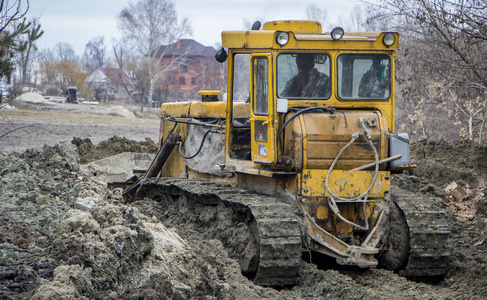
column 196, row 70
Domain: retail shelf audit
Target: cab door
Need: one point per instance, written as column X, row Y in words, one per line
column 262, row 125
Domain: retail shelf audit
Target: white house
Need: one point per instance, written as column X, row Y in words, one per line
column 110, row 84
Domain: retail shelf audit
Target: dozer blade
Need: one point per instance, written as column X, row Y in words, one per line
column 155, row 167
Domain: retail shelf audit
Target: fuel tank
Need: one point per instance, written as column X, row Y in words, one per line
column 313, row 140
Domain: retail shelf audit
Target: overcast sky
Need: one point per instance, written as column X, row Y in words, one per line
column 78, row 21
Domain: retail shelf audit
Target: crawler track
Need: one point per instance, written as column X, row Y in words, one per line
column 275, row 229
column 428, row 235
column 264, row 233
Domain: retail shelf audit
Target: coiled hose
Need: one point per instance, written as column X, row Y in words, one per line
column 363, row 198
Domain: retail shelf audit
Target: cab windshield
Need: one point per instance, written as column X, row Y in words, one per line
column 364, row 76
column 303, row 76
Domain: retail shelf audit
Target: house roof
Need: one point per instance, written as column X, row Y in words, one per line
column 116, row 75
column 188, row 47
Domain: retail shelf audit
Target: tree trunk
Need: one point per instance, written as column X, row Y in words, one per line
column 470, row 128
column 151, row 91
column 481, row 130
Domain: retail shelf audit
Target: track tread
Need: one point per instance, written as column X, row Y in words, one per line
column 279, row 232
column 428, row 235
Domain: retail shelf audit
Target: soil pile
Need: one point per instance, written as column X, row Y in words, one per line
column 64, row 235
column 456, row 174
column 33, row 98
column 114, row 145
column 37, row 189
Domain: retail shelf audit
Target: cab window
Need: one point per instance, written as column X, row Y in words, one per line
column 303, row 76
column 364, row 76
column 241, row 90
column 261, row 86
column 241, row 77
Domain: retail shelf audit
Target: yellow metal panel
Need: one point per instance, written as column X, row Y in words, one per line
column 349, row 41
column 298, row 40
column 349, row 36
column 174, row 166
column 294, row 26
column 248, row 39
column 321, row 212
column 194, row 110
column 209, row 92
column 241, row 110
column 344, row 183
column 208, row 110
column 304, row 142
column 255, row 171
column 385, row 107
column 175, row 109
column 322, row 137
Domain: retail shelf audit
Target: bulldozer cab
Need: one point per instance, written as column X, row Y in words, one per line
column 292, row 65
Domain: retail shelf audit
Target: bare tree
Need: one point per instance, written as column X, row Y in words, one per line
column 64, row 51
column 46, row 63
column 94, row 55
column 11, row 11
column 145, row 26
column 61, row 67
column 69, row 73
column 136, row 71
column 449, row 38
column 315, row 13
column 355, row 21
column 26, row 47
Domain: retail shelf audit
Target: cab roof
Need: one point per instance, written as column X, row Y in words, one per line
column 304, row 35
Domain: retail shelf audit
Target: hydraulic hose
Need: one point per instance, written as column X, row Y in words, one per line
column 199, row 149
column 302, row 111
column 331, row 199
column 214, row 123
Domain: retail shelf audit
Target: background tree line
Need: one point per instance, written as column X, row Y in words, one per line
column 441, row 71
column 442, row 66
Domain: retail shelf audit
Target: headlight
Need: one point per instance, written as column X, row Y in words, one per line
column 282, row 38
column 337, row 33
column 389, row 39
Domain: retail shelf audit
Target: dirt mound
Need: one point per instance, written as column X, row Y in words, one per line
column 37, row 188
column 33, row 98
column 442, row 163
column 49, row 249
column 114, row 145
column 465, row 154
column 456, row 172
column 121, row 111
column 64, row 235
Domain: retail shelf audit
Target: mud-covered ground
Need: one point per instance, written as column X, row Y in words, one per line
column 34, row 125
column 63, row 235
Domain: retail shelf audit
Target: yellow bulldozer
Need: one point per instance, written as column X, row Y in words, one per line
column 296, row 157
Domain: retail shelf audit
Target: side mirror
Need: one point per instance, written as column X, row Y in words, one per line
column 256, row 25
column 221, row 55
